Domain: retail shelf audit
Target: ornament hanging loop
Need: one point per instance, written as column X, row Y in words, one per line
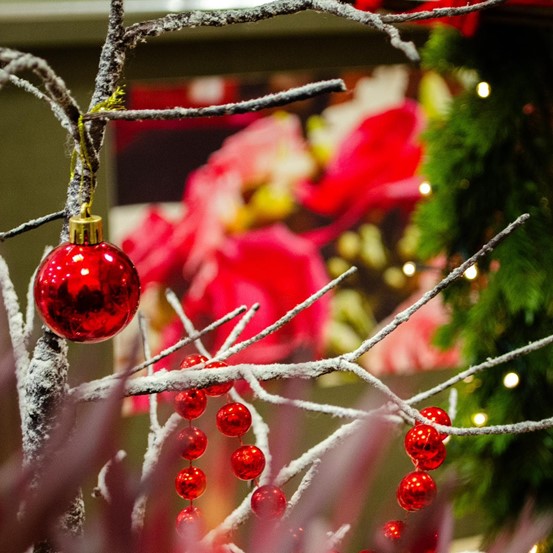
column 85, row 228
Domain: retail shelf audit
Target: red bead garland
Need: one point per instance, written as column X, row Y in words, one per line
column 416, row 491
column 234, row 419
column 193, row 359
column 190, row 483
column 192, row 443
column 247, row 462
column 190, row 404
column 268, row 502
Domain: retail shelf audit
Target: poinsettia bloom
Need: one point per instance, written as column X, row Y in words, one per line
column 383, row 151
column 275, row 268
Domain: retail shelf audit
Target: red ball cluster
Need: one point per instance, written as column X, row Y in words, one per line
column 247, row 461
column 424, row 446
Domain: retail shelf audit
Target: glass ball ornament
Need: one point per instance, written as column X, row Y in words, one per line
column 268, row 502
column 247, row 462
column 423, row 443
column 437, row 415
column 190, row 483
column 190, row 404
column 233, row 419
column 192, row 443
column 416, row 491
column 86, row 290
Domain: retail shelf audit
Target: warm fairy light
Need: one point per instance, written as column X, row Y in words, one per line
column 409, row 268
column 471, row 273
column 511, row 380
column 483, row 89
column 479, row 419
column 534, row 549
column 425, row 188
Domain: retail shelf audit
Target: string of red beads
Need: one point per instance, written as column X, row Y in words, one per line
column 424, row 446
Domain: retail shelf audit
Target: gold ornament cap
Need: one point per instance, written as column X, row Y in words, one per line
column 86, row 229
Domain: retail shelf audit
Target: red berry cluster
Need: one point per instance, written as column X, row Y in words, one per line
column 247, row 461
column 425, row 447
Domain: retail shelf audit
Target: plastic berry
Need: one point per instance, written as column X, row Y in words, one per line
column 190, row 483
column 268, row 502
column 437, row 415
column 187, row 519
column 393, row 529
column 247, row 462
column 192, row 443
column 190, row 404
column 216, row 390
column 234, row 419
column 422, row 443
column 416, row 491
column 193, row 359
column 86, row 290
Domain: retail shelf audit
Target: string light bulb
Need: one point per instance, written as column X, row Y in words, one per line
column 479, row 419
column 425, row 188
column 409, row 268
column 483, row 89
column 471, row 273
column 511, row 380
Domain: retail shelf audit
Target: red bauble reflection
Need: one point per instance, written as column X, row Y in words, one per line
column 192, row 443
column 190, row 483
column 416, row 491
column 432, row 462
column 247, row 462
column 190, row 404
column 438, row 415
column 234, row 419
column 268, row 502
column 87, row 293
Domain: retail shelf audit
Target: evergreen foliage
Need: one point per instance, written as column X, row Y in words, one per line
column 489, row 160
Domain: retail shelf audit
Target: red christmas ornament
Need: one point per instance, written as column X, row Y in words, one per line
column 192, row 443
column 268, row 502
column 393, row 529
column 416, row 491
column 234, row 419
column 422, row 443
column 190, row 404
column 438, row 415
column 247, row 462
column 188, row 519
column 190, row 483
column 193, row 359
column 86, row 290
column 216, row 390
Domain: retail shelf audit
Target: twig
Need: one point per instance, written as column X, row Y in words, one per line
column 32, row 224
column 406, row 314
column 306, row 481
column 248, row 106
column 186, row 322
column 101, row 489
column 488, row 364
column 238, row 329
column 287, row 317
column 152, row 399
